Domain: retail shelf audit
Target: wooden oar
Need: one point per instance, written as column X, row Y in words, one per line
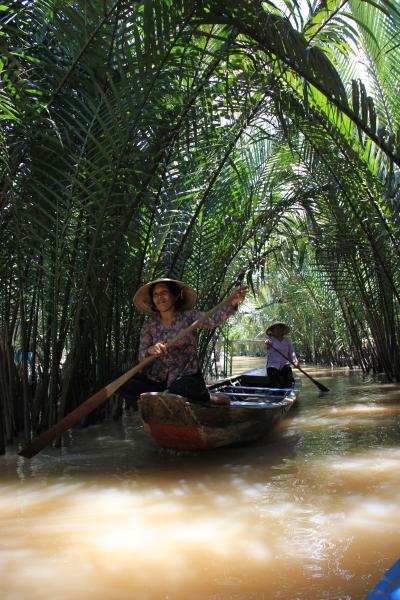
column 320, row 385
column 101, row 396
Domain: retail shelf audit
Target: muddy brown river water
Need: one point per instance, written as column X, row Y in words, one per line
column 310, row 512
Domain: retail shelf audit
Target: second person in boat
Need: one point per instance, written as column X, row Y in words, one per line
column 280, row 354
column 169, row 306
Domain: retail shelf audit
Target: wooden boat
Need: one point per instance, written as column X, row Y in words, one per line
column 175, row 422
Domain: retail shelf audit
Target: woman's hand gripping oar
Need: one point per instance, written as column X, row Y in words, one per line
column 45, row 438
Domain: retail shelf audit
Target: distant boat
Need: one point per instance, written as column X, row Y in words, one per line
column 254, row 407
column 389, row 586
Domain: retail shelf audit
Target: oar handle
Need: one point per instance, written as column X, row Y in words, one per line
column 101, row 396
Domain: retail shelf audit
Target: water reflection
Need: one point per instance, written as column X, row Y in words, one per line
column 309, row 512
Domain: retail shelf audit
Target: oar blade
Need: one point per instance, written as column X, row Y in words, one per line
column 81, row 411
column 45, row 438
column 321, row 386
column 38, row 444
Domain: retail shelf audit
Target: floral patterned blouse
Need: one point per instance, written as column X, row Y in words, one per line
column 182, row 358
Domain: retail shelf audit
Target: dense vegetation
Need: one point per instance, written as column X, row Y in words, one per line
column 215, row 141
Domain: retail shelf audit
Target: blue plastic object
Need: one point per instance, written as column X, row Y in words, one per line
column 389, row 586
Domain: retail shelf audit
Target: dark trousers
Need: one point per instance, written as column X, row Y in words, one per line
column 282, row 378
column 192, row 387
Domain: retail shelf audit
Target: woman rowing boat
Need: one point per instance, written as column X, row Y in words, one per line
column 168, row 304
column 280, row 353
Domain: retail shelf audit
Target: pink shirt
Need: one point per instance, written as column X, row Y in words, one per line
column 182, row 358
column 285, row 346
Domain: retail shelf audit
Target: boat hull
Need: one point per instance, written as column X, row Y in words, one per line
column 175, row 422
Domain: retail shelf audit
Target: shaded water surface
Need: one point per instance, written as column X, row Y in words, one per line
column 311, row 512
